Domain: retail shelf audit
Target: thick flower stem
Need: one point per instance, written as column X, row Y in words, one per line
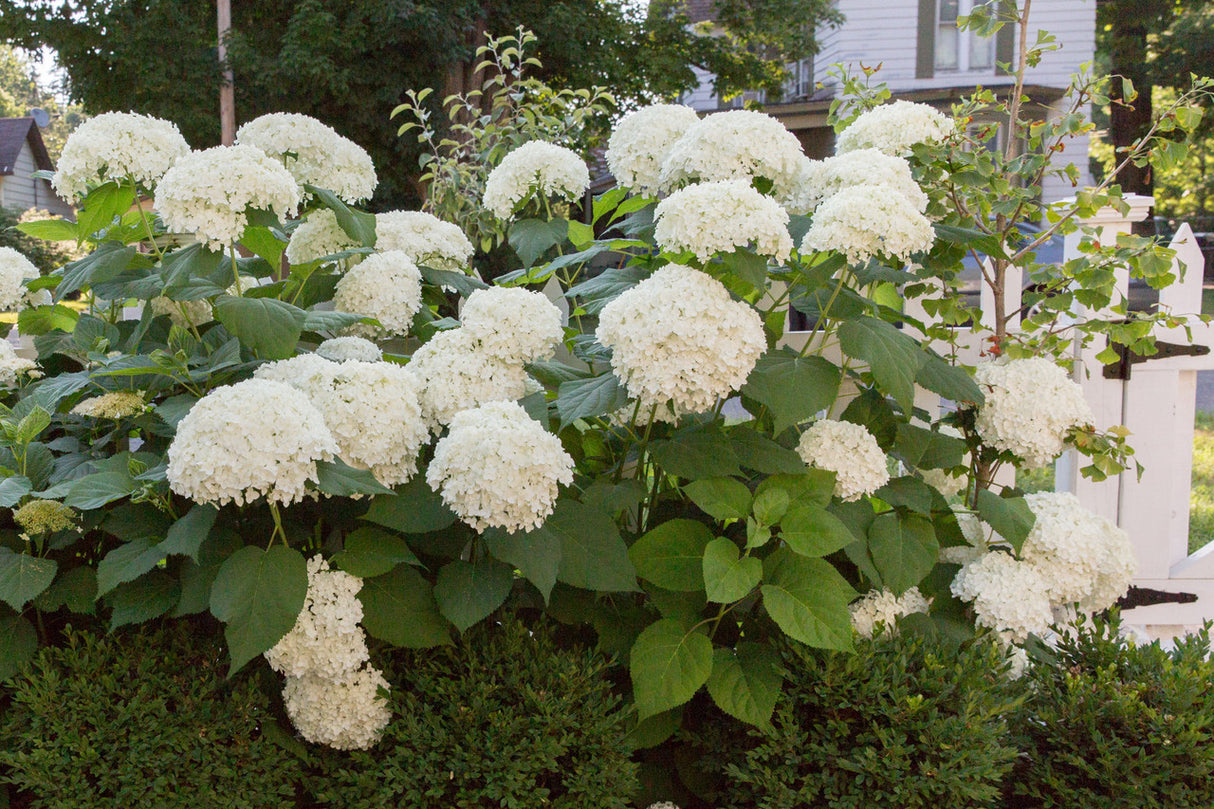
column 235, row 271
column 278, row 529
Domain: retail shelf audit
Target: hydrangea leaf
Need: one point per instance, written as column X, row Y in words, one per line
column 746, row 682
column 536, row 554
column 813, row 531
column 727, row 577
column 587, row 398
column 12, row 489
column 904, row 548
column 18, row 643
column 369, row 552
column 96, row 490
column 22, row 577
column 696, row 454
column 653, row 730
column 928, row 449
column 670, row 555
column 270, row 327
column 107, row 262
column 720, row 498
column 893, row 357
column 907, row 492
column 188, row 271
column 1011, row 517
column 950, row 381
column 76, row 589
column 467, row 592
column 758, row 452
column 414, row 508
column 358, row 225
column 531, row 238
column 342, row 480
column 399, row 608
column 126, row 563
column 807, row 598
column 198, row 577
column 144, row 599
column 791, row 387
column 668, row 665
column 258, row 594
column 593, row 554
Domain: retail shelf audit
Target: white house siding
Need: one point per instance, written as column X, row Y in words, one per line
column 20, row 191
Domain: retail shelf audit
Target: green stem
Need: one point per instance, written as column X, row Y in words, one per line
column 147, row 225
column 235, row 271
column 278, row 529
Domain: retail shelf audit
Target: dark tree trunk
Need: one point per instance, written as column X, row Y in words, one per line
column 1129, row 121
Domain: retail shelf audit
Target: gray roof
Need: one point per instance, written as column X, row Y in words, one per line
column 16, row 132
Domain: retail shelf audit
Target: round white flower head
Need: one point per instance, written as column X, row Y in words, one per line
column 455, row 374
column 346, row 349
column 183, row 313
column 1009, row 595
column 12, row 366
column 1082, row 557
column 252, row 439
column 15, row 269
column 866, row 221
column 535, row 166
column 386, row 286
column 1030, row 406
column 208, row 192
column 642, row 140
column 871, row 167
column 678, row 337
column 664, row 805
column 806, row 190
column 425, row 238
column 309, row 373
column 513, row 324
column 718, row 217
column 115, row 405
column 894, row 129
column 850, row 451
column 345, row 714
column 314, row 153
column 735, row 145
column 499, row 468
column 326, row 640
column 883, row 608
column 117, row 146
column 316, row 237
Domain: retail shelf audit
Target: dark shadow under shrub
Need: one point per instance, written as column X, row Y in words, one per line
column 507, row 718
column 141, row 720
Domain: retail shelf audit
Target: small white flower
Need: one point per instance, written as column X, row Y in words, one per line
column 314, row 154
column 867, row 221
column 894, row 129
column 456, row 374
column 425, row 238
column 552, row 170
column 316, row 237
column 1008, row 595
column 346, row 714
column 326, row 640
column 12, row 366
column 882, row 607
column 850, row 451
column 114, row 405
column 719, row 217
column 15, row 270
column 183, row 313
column 735, row 145
column 1030, row 406
column 642, row 140
column 346, row 349
column 117, row 146
column 386, row 286
column 512, row 323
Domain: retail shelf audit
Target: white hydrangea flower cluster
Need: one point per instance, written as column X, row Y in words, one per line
column 869, row 167
column 883, row 608
column 734, row 145
column 865, row 221
column 114, row 405
column 425, row 238
column 513, row 324
column 718, row 217
column 895, row 128
column 386, row 286
column 346, row 349
column 371, row 409
column 15, row 270
column 455, row 374
column 326, row 639
column 208, row 192
column 345, row 714
column 850, row 451
column 1009, row 595
column 314, row 154
column 642, row 140
column 12, row 366
column 316, row 237
column 183, row 313
column 535, row 166
column 116, row 146
column 1030, row 405
column 1082, row 557
column 677, row 337
column 973, row 530
column 499, row 468
column 252, row 439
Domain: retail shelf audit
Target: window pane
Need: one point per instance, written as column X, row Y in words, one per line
column 946, row 47
column 982, row 52
column 948, row 10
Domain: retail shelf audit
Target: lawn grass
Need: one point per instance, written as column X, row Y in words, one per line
column 1201, row 497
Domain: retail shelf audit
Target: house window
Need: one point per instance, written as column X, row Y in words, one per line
column 956, row 49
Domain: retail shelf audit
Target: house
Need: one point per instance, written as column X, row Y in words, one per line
column 22, row 153
column 924, row 57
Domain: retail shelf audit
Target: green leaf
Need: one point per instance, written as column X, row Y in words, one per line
column 462, row 283
column 536, row 554
column 329, row 321
column 96, row 490
column 807, row 598
column 75, row 589
column 747, row 266
column 904, row 549
column 727, row 577
column 415, row 508
column 22, row 577
column 32, row 425
column 195, row 272
column 101, row 205
column 758, row 452
column 668, row 665
column 109, row 261
column 371, row 552
column 872, row 412
column 198, row 578
column 50, row 230
column 186, row 535
column 258, row 594
column 18, row 643
column 720, row 498
column 746, row 682
column 791, row 387
column 341, row 480
column 12, row 489
column 670, row 555
column 270, row 327
column 143, row 599
column 1011, row 517
column 928, row 449
column 593, row 554
column 697, row 453
column 893, row 357
column 812, row 531
column 467, row 592
column 653, row 730
column 44, row 319
column 812, row 487
column 399, row 608
column 908, row 492
column 952, row 382
column 602, row 289
column 261, row 241
column 358, row 225
column 531, row 238
column 126, row 563
column 587, row 398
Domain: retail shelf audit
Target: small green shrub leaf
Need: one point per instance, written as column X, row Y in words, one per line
column 668, row 665
column 745, row 682
column 904, row 549
column 727, row 577
column 371, row 552
column 18, row 642
column 720, row 498
column 467, row 592
column 671, row 555
column 22, row 577
column 807, row 598
column 258, row 594
column 399, row 608
column 813, row 531
column 791, row 387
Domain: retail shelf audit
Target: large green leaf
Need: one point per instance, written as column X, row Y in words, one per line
column 12, row 489
column 758, row 452
column 197, row 578
column 727, row 575
column 467, row 592
column 893, row 357
column 791, row 387
column 143, row 599
column 670, row 555
column 745, row 682
column 811, row 530
column 358, row 225
column 369, row 552
column 195, row 272
column 807, row 598
column 696, row 454
column 22, row 577
column 126, row 563
column 399, row 608
column 101, row 205
column 330, row 321
column 909, row 493
column 593, row 554
column 270, row 327
column 339, row 479
column 51, row 230
column 414, row 509
column 258, row 594
column 1011, row 517
column 18, row 642
column 75, row 589
column 462, row 283
column 587, row 398
column 720, row 498
column 904, row 548
column 668, row 665
column 950, row 381
column 531, row 238
column 96, row 490
column 928, row 449
column 186, row 535
column 44, row 319
column 106, row 263
column 536, row 554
